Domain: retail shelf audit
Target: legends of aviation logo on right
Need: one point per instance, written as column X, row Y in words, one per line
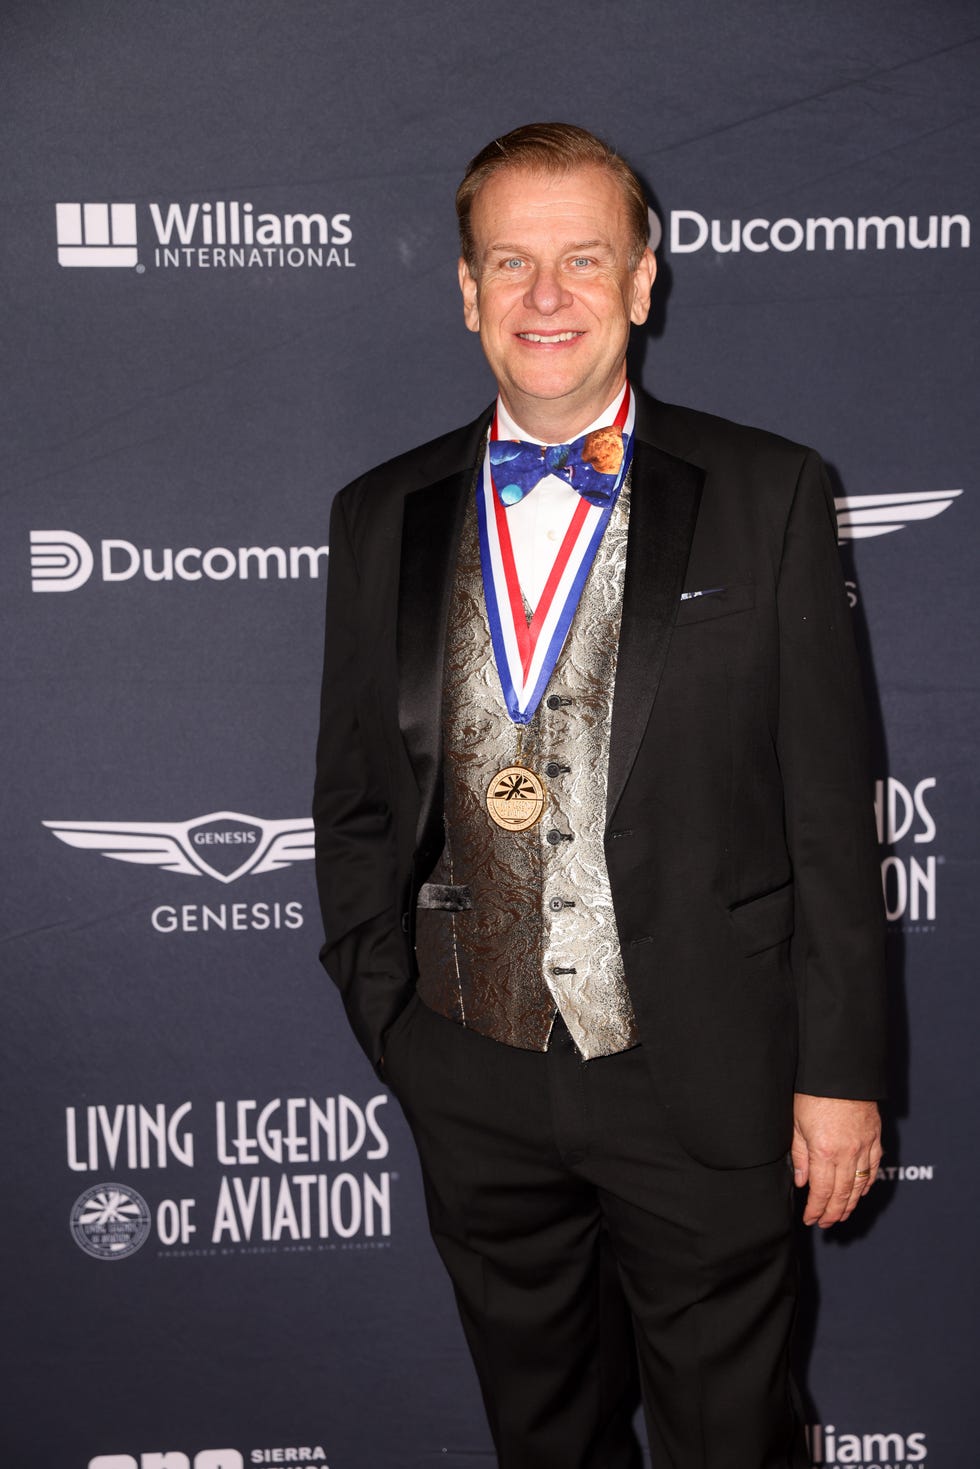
column 860, row 516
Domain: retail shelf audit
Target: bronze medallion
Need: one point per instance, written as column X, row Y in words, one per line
column 515, row 798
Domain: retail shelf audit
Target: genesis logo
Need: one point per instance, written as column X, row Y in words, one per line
column 225, row 845
column 861, row 516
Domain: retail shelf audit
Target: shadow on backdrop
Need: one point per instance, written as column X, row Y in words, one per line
column 861, row 1223
column 656, row 323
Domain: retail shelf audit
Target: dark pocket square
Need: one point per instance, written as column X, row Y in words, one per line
column 717, row 601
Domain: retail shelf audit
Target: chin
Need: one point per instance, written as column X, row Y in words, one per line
column 545, row 385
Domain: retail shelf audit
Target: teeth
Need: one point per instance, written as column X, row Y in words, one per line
column 553, row 337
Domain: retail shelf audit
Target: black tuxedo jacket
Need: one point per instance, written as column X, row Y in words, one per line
column 739, row 834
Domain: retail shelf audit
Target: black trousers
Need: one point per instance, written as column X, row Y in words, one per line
column 583, row 1243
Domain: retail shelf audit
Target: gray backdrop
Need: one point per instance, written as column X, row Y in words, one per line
column 215, row 1234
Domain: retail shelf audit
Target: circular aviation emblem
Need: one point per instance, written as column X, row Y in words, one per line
column 515, row 798
column 110, row 1221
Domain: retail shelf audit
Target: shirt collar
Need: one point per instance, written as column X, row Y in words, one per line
column 508, row 428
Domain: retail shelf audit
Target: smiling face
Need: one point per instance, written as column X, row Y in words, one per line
column 552, row 294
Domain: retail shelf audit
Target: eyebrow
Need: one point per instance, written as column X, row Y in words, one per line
column 575, row 245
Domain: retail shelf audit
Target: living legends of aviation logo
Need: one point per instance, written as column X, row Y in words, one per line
column 910, row 866
column 225, row 846
column 296, row 1174
column 223, row 235
column 110, row 1221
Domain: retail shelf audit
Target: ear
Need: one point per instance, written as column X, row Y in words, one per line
column 471, row 306
column 643, row 278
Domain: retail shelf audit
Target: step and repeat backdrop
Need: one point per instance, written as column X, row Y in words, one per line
column 228, row 283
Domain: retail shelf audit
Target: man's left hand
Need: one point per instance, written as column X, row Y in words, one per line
column 837, row 1150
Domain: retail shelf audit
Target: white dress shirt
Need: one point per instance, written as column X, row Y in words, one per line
column 538, row 523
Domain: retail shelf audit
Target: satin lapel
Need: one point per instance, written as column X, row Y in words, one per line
column 666, row 492
column 431, row 528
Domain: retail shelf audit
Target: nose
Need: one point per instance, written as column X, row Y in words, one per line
column 545, row 293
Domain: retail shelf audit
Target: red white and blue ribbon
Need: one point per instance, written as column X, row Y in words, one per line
column 526, row 653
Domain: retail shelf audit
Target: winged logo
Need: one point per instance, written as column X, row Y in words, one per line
column 860, row 516
column 179, row 846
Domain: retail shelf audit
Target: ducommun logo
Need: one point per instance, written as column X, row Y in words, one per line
column 62, row 561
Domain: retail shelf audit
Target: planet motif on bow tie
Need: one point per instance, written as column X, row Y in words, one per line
column 591, row 464
column 504, row 450
column 603, row 449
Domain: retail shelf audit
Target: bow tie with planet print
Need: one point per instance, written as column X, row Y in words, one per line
column 590, row 465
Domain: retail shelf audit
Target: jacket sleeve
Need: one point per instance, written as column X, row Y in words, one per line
column 366, row 951
column 838, row 943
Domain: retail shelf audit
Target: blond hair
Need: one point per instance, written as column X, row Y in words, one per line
column 555, row 148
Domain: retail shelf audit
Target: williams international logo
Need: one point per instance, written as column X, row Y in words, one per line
column 861, row 516
column 882, row 1449
column 224, row 234
column 96, row 234
column 225, row 845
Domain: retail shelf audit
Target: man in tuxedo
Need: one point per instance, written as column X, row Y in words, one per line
column 595, row 849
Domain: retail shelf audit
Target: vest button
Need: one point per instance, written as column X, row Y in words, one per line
column 552, row 769
column 553, row 701
column 556, row 905
column 555, row 836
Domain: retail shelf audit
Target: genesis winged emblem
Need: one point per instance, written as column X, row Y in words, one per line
column 860, row 516
column 179, row 846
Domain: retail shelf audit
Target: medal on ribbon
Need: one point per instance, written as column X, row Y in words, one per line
column 516, row 798
column 526, row 652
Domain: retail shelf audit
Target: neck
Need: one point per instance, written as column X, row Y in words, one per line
column 557, row 421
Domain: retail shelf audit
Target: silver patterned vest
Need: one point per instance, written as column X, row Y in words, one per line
column 513, row 926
